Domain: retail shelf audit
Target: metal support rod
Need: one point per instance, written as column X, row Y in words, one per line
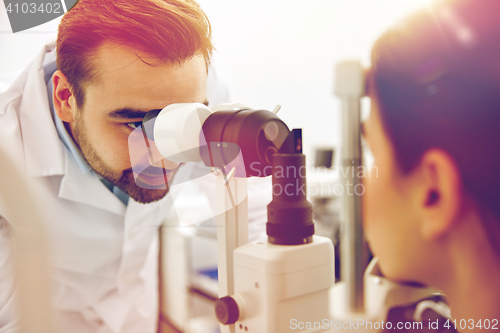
column 232, row 230
column 349, row 87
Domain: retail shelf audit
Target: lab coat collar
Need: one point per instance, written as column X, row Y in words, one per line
column 86, row 188
column 43, row 150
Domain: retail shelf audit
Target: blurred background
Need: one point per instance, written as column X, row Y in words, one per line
column 268, row 51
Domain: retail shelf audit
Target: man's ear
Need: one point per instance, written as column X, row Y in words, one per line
column 441, row 198
column 64, row 100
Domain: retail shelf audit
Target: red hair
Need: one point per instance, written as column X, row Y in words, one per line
column 168, row 30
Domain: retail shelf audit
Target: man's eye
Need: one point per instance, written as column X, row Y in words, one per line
column 134, row 125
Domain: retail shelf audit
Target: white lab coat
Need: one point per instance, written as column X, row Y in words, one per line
column 104, row 255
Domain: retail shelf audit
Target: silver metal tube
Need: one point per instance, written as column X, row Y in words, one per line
column 349, row 87
column 232, row 231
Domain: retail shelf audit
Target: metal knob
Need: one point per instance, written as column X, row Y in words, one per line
column 226, row 310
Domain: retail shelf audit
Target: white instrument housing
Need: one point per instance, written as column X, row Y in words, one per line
column 177, row 131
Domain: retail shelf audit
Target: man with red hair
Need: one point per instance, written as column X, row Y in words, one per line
column 117, row 60
column 68, row 129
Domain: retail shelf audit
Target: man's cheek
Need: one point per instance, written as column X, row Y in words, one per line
column 114, row 154
column 122, row 160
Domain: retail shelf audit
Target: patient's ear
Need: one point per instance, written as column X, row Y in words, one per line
column 64, row 100
column 440, row 193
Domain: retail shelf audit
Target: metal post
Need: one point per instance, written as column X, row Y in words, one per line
column 232, row 230
column 349, row 86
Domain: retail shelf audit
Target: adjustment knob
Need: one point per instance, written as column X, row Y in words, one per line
column 226, row 310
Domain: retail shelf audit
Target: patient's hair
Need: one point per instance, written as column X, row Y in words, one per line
column 437, row 79
column 170, row 31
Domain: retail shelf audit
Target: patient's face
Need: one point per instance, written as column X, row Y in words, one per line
column 390, row 220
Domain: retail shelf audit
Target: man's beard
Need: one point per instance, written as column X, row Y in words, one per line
column 123, row 180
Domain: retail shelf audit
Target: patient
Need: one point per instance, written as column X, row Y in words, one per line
column 432, row 215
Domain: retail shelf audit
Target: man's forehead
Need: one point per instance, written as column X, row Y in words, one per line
column 111, row 57
column 132, row 79
column 116, row 58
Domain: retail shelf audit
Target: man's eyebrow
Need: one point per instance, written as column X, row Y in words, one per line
column 127, row 113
